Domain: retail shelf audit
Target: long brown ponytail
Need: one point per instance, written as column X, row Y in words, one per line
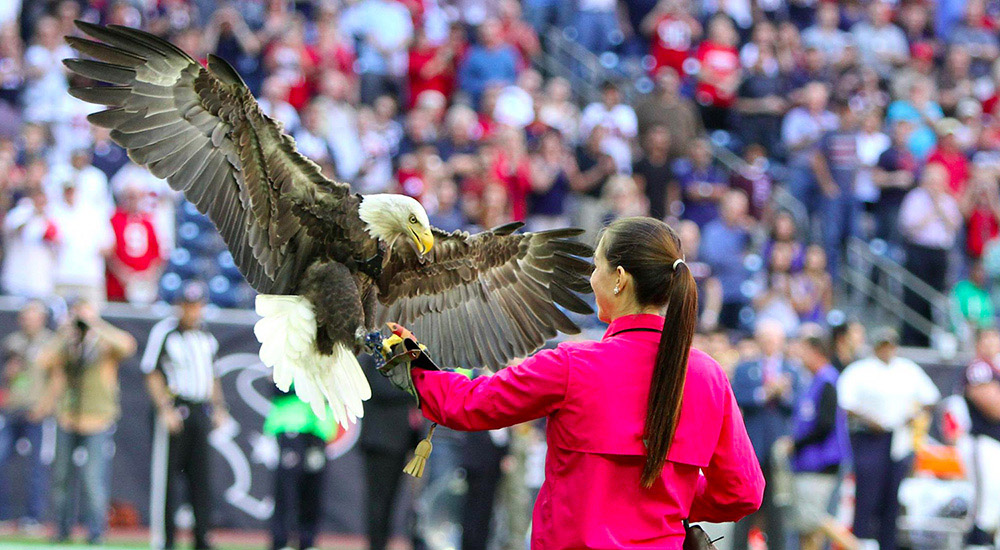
column 649, row 250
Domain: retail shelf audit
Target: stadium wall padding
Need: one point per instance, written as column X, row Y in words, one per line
column 242, row 479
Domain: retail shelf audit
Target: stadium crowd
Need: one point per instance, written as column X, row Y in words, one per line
column 875, row 120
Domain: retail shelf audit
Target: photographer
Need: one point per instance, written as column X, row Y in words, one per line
column 82, row 362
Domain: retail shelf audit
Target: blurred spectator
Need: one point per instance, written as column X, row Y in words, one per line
column 557, row 110
column 837, row 166
column 595, row 167
column 848, row 338
column 133, row 266
column 310, row 139
column 948, row 154
column 872, row 142
column 774, row 301
column 784, row 230
column 623, row 199
column 709, row 288
column 825, row 35
column 881, row 44
column 894, row 175
column 490, row 62
column 597, row 25
column 512, row 169
column 432, row 67
column 618, row 119
column 761, row 97
column 23, row 380
column 518, row 33
column 703, row 185
column 381, row 31
column 46, row 82
column 274, row 104
column 552, row 166
column 981, row 386
column 82, row 364
column 228, row 35
column 673, row 32
column 766, row 390
column 812, row 288
column 955, row 80
column 882, row 395
column 84, row 240
column 666, row 107
column 977, row 36
column 31, row 239
column 12, row 78
column 929, row 219
column 91, row 184
column 819, row 447
column 922, row 112
column 725, row 242
column 981, row 207
column 755, row 181
column 108, row 156
column 971, row 304
column 654, row 173
column 719, row 73
column 801, row 131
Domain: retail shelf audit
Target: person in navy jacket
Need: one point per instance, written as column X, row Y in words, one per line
column 765, row 389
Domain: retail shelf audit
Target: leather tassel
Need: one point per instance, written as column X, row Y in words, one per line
column 416, row 465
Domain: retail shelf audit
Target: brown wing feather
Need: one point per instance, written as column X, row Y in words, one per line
column 484, row 299
column 202, row 130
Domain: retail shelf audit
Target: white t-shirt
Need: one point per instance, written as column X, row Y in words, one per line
column 84, row 235
column 92, row 189
column 28, row 258
column 623, row 126
column 41, row 94
column 890, row 394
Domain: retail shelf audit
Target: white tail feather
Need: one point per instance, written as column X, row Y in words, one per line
column 287, row 336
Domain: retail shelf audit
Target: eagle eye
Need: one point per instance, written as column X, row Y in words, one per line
column 413, row 219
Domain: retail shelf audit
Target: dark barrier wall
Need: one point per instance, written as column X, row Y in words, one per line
column 241, row 475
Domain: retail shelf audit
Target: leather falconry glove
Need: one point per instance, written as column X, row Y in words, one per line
column 402, row 353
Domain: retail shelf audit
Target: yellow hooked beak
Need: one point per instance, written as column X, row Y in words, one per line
column 424, row 240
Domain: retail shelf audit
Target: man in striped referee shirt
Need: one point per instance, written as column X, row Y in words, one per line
column 180, row 375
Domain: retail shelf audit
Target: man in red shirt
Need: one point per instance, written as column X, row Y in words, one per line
column 718, row 75
column 672, row 31
column 432, row 67
column 950, row 155
column 133, row 268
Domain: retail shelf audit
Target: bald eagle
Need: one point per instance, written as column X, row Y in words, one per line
column 329, row 265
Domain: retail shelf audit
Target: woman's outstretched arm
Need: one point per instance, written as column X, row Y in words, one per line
column 532, row 389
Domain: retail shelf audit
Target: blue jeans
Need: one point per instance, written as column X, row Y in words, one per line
column 12, row 428
column 594, row 29
column 802, row 185
column 95, row 479
column 840, row 222
column 544, row 14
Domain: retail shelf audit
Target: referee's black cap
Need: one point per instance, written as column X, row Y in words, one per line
column 194, row 292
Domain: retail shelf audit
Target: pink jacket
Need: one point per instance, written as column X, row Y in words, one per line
column 594, row 395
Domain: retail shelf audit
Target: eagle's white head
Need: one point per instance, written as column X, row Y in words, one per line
column 390, row 217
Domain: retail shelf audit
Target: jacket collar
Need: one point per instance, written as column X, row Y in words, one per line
column 640, row 321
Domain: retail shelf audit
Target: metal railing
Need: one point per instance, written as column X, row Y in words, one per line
column 567, row 58
column 871, row 262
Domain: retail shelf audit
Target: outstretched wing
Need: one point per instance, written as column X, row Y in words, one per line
column 203, row 131
column 484, row 299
